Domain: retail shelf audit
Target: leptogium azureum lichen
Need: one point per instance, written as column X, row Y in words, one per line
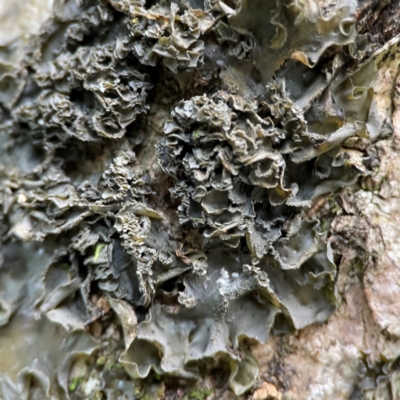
column 165, row 155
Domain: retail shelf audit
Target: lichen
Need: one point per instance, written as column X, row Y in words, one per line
column 257, row 112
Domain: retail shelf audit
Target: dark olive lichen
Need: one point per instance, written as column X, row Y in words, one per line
column 79, row 87
column 257, row 112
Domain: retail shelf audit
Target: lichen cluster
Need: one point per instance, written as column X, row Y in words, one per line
column 252, row 110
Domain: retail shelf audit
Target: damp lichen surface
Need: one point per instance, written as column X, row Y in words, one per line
column 160, row 161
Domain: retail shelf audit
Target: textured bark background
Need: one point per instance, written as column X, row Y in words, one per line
column 356, row 353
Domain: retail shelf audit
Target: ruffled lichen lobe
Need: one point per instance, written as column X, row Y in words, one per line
column 253, row 111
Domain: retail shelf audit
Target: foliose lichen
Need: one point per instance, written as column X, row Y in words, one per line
column 258, row 109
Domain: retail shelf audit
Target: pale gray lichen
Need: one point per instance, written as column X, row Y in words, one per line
column 268, row 108
column 78, row 89
column 167, row 31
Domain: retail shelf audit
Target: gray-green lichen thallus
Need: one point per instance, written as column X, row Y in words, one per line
column 255, row 112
